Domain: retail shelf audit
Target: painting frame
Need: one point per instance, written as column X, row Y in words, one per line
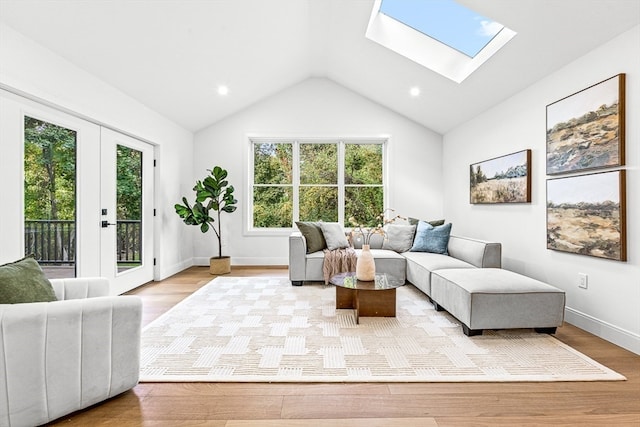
column 586, row 130
column 586, row 214
column 510, row 180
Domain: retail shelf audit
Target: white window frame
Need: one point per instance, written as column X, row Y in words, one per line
column 296, row 141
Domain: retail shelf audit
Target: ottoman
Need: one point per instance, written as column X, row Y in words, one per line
column 493, row 298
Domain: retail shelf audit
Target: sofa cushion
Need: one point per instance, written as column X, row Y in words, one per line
column 312, row 233
column 23, row 281
column 431, row 239
column 432, row 262
column 420, row 265
column 493, row 298
column 334, row 235
column 399, row 238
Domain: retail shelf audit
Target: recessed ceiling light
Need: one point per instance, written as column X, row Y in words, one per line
column 414, row 91
column 223, row 90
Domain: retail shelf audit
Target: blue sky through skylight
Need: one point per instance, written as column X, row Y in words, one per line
column 446, row 21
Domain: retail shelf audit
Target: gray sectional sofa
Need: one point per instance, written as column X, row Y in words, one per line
column 416, row 267
column 487, row 298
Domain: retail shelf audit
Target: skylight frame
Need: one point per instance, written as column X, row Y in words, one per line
column 429, row 52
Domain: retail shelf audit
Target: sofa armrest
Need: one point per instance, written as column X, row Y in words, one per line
column 297, row 257
column 63, row 356
column 80, row 287
column 480, row 253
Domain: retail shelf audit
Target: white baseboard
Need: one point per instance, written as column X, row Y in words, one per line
column 247, row 261
column 618, row 336
column 163, row 273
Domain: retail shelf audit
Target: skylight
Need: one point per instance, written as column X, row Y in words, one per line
column 446, row 21
column 441, row 35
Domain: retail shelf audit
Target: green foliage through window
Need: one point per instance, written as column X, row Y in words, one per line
column 129, row 183
column 319, row 164
column 49, row 171
column 49, row 192
column 308, row 171
column 273, row 191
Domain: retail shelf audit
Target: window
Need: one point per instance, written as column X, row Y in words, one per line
column 441, row 35
column 50, row 196
column 364, row 192
column 312, row 180
column 129, row 217
column 445, row 21
column 318, row 188
column 272, row 185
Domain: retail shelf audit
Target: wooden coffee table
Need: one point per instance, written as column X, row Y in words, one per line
column 375, row 298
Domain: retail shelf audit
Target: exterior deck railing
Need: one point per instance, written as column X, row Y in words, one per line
column 53, row 242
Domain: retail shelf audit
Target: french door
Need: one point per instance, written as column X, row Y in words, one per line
column 49, row 182
column 126, row 210
column 63, row 178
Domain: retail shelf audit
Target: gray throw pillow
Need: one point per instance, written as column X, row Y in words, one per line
column 334, row 235
column 23, row 281
column 435, row 222
column 313, row 235
column 399, row 238
column 432, row 239
column 375, row 240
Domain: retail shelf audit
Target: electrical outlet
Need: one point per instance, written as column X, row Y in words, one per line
column 583, row 281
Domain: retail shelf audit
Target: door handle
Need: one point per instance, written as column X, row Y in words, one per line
column 105, row 224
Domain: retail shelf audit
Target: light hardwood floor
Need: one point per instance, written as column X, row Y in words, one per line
column 615, row 403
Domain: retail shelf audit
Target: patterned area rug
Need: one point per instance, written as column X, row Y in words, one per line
column 260, row 329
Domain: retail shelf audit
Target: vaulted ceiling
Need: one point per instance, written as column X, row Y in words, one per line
column 171, row 55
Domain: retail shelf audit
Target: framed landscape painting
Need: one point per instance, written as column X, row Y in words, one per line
column 586, row 215
column 505, row 179
column 586, row 130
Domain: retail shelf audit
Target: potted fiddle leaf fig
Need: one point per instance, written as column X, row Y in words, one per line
column 214, row 196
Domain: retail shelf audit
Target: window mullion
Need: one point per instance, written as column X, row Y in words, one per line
column 384, row 184
column 252, row 185
column 341, row 187
column 296, row 181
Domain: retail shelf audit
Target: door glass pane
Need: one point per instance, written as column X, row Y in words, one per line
column 129, row 208
column 50, row 196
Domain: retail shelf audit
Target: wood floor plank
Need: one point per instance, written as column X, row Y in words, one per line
column 450, row 405
column 631, row 420
column 211, row 408
column 351, row 422
column 260, row 389
column 601, row 403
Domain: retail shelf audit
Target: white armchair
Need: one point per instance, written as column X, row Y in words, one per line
column 66, row 355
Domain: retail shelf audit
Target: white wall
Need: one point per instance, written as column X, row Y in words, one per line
column 32, row 70
column 317, row 107
column 610, row 307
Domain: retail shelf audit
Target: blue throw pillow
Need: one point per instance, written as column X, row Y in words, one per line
column 432, row 239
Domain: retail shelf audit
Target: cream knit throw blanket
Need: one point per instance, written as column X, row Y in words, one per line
column 338, row 261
